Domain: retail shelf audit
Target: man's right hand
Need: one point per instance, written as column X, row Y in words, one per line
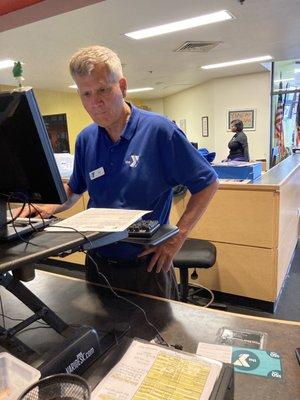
column 45, row 211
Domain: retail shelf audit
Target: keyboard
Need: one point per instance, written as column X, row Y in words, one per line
column 24, row 226
column 143, row 228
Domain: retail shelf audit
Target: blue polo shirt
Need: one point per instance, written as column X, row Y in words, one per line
column 138, row 171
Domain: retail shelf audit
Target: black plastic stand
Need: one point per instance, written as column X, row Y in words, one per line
column 80, row 348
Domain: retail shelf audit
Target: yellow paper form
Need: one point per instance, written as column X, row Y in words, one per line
column 151, row 372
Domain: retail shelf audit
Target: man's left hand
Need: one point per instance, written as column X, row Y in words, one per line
column 164, row 254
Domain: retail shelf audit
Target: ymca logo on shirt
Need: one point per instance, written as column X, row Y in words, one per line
column 133, row 162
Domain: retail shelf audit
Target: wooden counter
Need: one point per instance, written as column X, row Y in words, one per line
column 255, row 228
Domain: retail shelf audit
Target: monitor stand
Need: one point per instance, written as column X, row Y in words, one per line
column 80, row 346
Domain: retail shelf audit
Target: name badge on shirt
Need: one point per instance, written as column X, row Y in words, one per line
column 96, row 173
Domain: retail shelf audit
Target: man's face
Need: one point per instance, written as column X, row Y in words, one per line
column 101, row 97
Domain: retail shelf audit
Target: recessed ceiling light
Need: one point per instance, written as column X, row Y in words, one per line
column 6, row 64
column 143, row 89
column 237, row 62
column 181, row 25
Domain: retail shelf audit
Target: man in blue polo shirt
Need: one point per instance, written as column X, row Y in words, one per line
column 129, row 158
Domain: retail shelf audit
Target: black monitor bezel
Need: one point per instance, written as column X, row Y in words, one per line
column 59, row 194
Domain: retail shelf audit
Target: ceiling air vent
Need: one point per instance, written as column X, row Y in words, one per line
column 197, row 46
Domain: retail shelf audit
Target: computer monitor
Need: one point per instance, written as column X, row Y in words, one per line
column 28, row 171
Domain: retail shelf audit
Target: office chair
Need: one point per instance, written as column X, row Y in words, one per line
column 194, row 254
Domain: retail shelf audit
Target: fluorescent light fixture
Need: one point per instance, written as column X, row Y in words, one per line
column 181, row 25
column 143, row 89
column 237, row 62
column 6, row 64
column 284, row 80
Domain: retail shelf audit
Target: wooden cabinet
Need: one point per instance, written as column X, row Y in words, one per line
column 255, row 228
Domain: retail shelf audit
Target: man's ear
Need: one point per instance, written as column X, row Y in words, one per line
column 123, row 86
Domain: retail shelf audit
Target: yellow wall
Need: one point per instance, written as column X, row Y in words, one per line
column 51, row 102
column 68, row 103
column 62, row 103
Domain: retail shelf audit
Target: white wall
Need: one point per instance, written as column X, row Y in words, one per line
column 244, row 91
column 214, row 99
column 191, row 105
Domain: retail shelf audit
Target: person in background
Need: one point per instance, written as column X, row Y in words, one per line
column 238, row 145
column 131, row 158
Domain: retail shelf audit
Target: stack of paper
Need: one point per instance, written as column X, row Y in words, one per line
column 99, row 220
column 149, row 371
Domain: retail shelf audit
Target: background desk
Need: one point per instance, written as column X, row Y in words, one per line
column 255, row 228
column 77, row 302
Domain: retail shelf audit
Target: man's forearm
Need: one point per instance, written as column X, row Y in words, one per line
column 195, row 208
column 68, row 204
column 72, row 199
column 47, row 210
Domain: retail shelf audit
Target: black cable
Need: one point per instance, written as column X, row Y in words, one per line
column 2, row 311
column 60, row 226
column 13, row 218
column 38, row 212
column 163, row 341
column 15, row 229
column 76, row 231
column 34, row 229
column 110, row 287
column 19, row 319
column 106, row 280
column 31, row 329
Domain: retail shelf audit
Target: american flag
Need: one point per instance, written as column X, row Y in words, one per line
column 279, row 134
column 298, row 123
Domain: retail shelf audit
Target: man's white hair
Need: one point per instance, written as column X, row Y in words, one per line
column 85, row 60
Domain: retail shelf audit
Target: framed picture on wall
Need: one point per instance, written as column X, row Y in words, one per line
column 246, row 115
column 57, row 129
column 204, row 125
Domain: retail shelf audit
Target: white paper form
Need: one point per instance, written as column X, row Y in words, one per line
column 218, row 352
column 99, row 220
column 151, row 372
